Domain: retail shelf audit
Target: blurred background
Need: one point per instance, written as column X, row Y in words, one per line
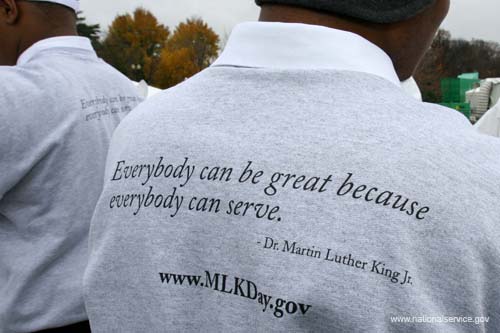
column 166, row 42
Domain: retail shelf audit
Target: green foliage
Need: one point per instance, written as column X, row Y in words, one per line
column 91, row 31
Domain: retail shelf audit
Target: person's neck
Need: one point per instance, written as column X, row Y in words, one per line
column 30, row 39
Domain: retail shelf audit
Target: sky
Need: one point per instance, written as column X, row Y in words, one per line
column 467, row 18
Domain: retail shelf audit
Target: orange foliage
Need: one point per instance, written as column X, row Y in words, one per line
column 192, row 48
column 134, row 43
column 142, row 48
column 174, row 67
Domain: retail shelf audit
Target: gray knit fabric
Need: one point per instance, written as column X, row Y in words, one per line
column 376, row 11
column 295, row 122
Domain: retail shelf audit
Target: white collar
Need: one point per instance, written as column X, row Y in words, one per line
column 302, row 46
column 73, row 42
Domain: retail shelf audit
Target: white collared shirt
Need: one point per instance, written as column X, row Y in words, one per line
column 301, row 46
column 72, row 43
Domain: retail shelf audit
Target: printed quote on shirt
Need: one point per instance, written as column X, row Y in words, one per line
column 178, row 198
column 105, row 106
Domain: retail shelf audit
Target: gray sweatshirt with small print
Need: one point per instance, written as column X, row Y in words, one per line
column 58, row 109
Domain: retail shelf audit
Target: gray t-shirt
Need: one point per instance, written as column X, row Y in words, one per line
column 58, row 109
column 295, row 200
column 305, row 205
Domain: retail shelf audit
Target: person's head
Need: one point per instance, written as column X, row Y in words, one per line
column 404, row 29
column 25, row 22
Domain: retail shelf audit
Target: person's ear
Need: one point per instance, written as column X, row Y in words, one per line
column 9, row 11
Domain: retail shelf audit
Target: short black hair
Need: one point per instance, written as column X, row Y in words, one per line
column 55, row 15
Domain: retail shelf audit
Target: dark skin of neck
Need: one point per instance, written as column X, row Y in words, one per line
column 405, row 42
column 24, row 23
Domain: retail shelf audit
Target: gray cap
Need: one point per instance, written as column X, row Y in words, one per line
column 376, row 11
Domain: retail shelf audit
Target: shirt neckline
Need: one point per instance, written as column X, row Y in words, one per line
column 276, row 45
column 74, row 42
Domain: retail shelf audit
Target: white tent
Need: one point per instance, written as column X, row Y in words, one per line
column 146, row 91
column 483, row 97
column 489, row 124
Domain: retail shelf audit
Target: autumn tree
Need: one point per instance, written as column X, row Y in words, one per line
column 192, row 47
column 134, row 44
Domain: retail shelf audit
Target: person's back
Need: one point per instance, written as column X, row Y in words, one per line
column 288, row 189
column 59, row 107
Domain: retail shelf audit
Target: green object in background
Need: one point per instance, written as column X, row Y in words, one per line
column 453, row 92
column 463, row 108
column 453, row 89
